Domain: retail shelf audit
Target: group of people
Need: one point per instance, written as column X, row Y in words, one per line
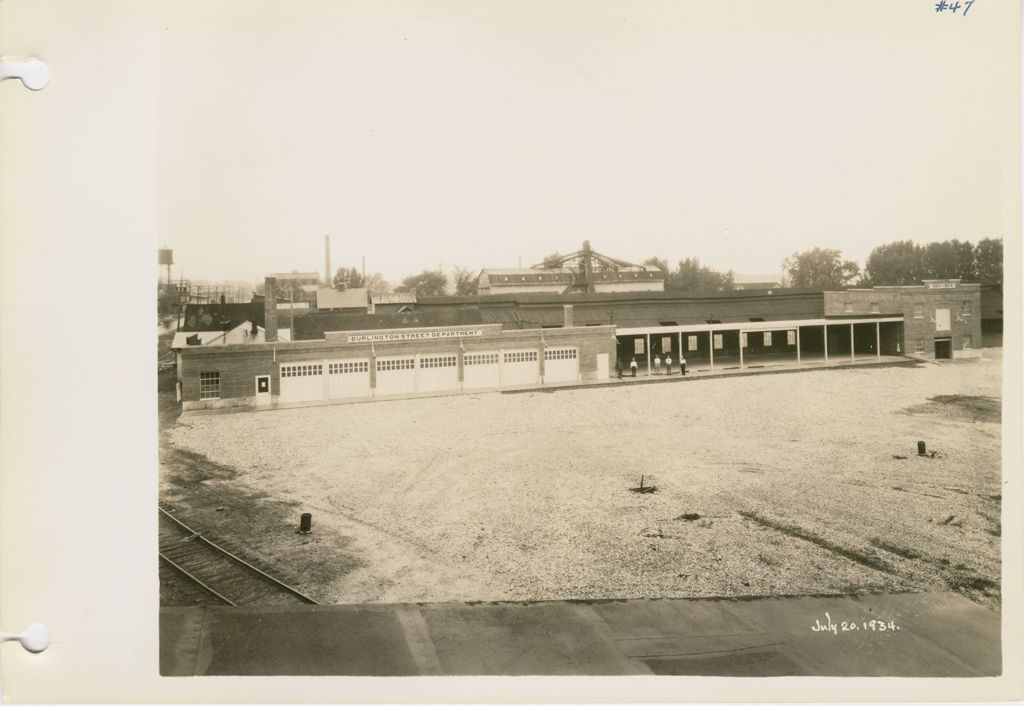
column 657, row 365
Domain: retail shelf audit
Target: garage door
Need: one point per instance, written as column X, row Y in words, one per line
column 438, row 372
column 561, row 365
column 348, row 378
column 480, row 370
column 302, row 382
column 396, row 376
column 520, row 368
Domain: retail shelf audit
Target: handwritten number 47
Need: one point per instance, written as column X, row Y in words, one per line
column 954, row 7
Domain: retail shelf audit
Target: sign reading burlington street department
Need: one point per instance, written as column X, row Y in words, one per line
column 412, row 336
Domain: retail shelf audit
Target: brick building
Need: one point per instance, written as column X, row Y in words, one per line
column 941, row 318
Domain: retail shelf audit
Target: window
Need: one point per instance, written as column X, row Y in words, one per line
column 918, row 311
column 919, row 345
column 847, row 307
column 968, row 342
column 666, row 344
column 965, row 308
column 790, row 338
column 560, row 354
column 298, row 371
column 359, row 366
column 439, row 361
column 209, row 386
column 767, row 339
column 691, row 343
column 718, row 341
column 521, row 357
column 398, row 364
column 638, row 346
column 480, row 359
column 875, row 308
column 942, row 319
column 743, row 340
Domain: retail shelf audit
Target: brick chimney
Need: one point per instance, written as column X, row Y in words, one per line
column 567, row 309
column 270, row 309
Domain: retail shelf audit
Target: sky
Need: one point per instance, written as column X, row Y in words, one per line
column 432, row 134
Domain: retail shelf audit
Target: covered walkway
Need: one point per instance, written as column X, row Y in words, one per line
column 755, row 344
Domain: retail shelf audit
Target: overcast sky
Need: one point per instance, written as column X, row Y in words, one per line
column 427, row 134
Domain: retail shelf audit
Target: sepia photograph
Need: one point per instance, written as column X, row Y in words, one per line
column 503, row 339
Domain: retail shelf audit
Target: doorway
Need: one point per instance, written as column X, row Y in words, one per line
column 262, row 390
column 943, row 348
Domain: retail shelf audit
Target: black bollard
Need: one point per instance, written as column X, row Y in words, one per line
column 306, row 523
column 921, row 448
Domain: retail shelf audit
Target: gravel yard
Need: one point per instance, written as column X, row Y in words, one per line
column 766, row 485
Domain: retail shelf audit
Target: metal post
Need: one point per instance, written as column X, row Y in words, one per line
column 648, row 354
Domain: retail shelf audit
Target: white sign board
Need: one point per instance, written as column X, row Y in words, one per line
column 412, row 336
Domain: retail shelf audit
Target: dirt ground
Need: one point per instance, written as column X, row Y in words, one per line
column 803, row 483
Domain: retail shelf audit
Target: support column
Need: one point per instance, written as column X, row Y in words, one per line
column 798, row 345
column 460, row 362
column 741, row 349
column 679, row 353
column 852, row 357
column 711, row 348
column 826, row 344
column 878, row 340
column 648, row 355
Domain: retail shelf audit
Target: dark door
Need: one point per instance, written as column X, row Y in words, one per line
column 943, row 348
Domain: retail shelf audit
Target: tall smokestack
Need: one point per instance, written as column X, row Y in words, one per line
column 270, row 309
column 327, row 261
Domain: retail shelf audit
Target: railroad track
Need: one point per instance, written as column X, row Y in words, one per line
column 195, row 571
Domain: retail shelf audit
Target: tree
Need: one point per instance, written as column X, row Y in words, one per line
column 948, row 260
column 820, row 268
column 988, row 261
column 466, row 283
column 429, row 283
column 894, row 263
column 552, row 261
column 691, row 276
column 377, row 284
column 349, row 278
column 659, row 263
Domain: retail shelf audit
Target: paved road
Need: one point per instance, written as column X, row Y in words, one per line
column 940, row 634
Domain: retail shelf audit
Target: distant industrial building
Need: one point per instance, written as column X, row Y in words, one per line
column 583, row 271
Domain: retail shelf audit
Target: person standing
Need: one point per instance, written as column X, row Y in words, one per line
column 632, row 366
column 682, row 364
column 668, row 363
column 657, row 364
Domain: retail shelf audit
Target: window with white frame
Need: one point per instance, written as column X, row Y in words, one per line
column 691, row 343
column 919, row 345
column 791, row 338
column 719, row 343
column 357, row 366
column 875, row 308
column 439, row 361
column 918, row 311
column 767, row 340
column 521, row 357
column 480, row 359
column 396, row 364
column 965, row 309
column 968, row 341
column 847, row 307
column 560, row 354
column 209, row 386
column 302, row 370
column 743, row 339
column 638, row 346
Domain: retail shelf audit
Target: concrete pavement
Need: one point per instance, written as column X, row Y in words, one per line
column 913, row 634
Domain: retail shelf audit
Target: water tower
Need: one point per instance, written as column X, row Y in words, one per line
column 167, row 258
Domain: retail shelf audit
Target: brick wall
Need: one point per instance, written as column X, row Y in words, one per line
column 918, row 306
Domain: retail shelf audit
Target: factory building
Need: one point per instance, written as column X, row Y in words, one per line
column 452, row 344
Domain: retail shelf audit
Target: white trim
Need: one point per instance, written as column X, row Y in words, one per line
column 753, row 325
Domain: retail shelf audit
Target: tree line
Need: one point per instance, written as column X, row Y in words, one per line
column 900, row 262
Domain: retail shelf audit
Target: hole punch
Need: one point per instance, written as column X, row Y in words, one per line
column 35, row 638
column 33, row 73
